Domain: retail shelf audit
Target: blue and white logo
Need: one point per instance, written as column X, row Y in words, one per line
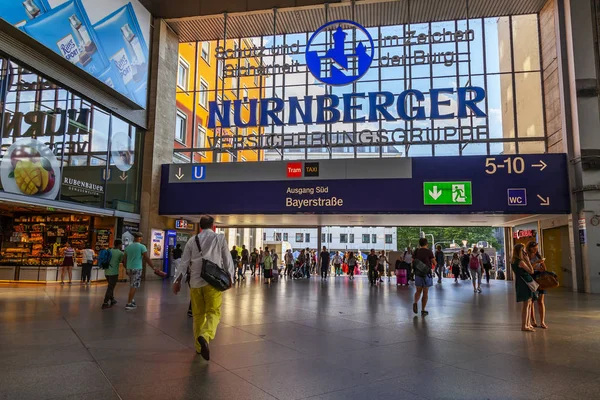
column 338, row 57
column 198, row 172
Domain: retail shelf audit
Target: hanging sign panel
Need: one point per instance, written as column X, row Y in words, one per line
column 473, row 184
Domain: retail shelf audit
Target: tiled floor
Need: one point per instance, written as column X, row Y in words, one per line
column 293, row 340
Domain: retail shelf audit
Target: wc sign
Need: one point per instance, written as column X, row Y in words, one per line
column 517, row 197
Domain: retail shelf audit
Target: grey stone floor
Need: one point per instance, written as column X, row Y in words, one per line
column 293, row 340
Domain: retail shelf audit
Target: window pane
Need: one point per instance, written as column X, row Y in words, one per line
column 526, row 42
column 530, row 118
column 125, row 167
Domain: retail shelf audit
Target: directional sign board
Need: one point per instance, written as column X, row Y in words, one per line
column 497, row 184
column 447, row 194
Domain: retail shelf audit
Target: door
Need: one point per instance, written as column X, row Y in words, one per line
column 556, row 251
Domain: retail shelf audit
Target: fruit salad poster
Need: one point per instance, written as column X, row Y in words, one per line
column 108, row 39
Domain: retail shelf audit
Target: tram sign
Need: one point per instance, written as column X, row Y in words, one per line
column 447, row 194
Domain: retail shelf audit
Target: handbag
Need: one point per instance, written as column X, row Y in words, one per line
column 212, row 273
column 547, row 280
column 533, row 285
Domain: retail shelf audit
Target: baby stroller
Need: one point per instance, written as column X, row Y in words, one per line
column 297, row 272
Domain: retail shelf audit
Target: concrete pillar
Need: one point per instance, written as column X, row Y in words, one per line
column 158, row 142
column 579, row 57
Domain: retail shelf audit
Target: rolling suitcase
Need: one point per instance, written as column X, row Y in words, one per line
column 402, row 277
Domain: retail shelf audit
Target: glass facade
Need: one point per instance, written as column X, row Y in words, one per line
column 499, row 55
column 57, row 145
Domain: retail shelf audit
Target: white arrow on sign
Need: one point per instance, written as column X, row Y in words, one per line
column 542, row 165
column 123, row 176
column 436, row 193
column 179, row 175
column 544, row 201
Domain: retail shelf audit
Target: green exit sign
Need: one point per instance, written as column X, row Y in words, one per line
column 447, row 194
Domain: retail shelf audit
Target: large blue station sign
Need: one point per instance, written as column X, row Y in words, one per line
column 367, row 186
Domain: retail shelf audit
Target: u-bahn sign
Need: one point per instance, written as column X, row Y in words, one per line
column 475, row 184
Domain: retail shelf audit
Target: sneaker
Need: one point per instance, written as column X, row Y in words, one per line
column 106, row 305
column 190, row 313
column 424, row 313
column 474, row 290
column 70, row 282
column 204, row 350
column 113, row 302
column 415, row 308
column 130, row 306
column 62, row 283
column 133, row 301
column 478, row 290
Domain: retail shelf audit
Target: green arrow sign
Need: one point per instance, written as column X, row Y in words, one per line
column 447, row 194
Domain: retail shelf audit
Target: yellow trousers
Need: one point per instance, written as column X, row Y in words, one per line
column 206, row 308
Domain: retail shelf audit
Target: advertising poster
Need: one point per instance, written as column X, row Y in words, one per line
column 108, row 39
column 30, row 168
column 157, row 243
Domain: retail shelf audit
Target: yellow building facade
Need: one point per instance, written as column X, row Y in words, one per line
column 200, row 80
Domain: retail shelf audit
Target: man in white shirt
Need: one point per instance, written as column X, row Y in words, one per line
column 206, row 300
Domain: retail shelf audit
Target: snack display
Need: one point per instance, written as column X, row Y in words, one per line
column 40, row 239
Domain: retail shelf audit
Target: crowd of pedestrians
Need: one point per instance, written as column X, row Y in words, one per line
column 419, row 266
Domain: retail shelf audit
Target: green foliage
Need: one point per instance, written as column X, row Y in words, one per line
column 409, row 235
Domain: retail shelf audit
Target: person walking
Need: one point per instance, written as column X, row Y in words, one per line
column 324, row 259
column 523, row 270
column 112, row 274
column 423, row 279
column 351, row 265
column 455, row 267
column 87, row 262
column 288, row 259
column 464, row 262
column 475, row 268
column 408, row 259
column 275, row 269
column 254, row 261
column 372, row 261
column 261, row 260
column 268, row 266
column 381, row 263
column 177, row 253
column 487, row 264
column 308, row 262
column 440, row 262
column 235, row 258
column 206, row 300
column 539, row 266
column 67, row 263
column 136, row 254
column 245, row 260
column 337, row 264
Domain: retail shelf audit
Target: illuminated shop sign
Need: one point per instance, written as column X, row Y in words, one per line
column 336, row 57
column 526, row 233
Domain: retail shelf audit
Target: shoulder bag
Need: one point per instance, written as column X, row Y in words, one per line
column 533, row 285
column 212, row 273
column 421, row 269
column 547, row 280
